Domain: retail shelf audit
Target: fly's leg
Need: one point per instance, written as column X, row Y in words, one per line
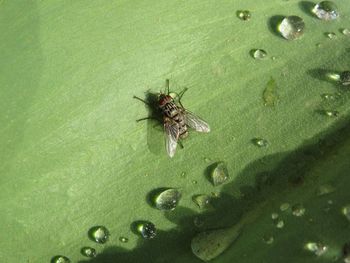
column 146, row 118
column 180, row 96
column 142, row 100
column 167, row 86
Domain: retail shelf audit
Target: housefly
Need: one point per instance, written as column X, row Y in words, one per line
column 176, row 119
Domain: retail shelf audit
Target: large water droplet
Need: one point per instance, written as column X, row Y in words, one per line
column 202, row 201
column 317, row 248
column 326, row 10
column 244, row 14
column 298, row 210
column 88, row 252
column 147, row 230
column 99, row 234
column 219, row 174
column 292, row 27
column 346, row 211
column 258, row 53
column 345, row 78
column 167, row 199
column 60, row 259
column 210, row 244
column 260, row 142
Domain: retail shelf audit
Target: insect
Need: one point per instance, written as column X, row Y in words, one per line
column 176, row 119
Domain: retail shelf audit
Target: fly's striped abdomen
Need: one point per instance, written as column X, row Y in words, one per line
column 172, row 111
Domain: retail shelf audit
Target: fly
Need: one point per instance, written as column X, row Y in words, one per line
column 176, row 119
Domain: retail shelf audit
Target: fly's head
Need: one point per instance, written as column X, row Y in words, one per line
column 163, row 99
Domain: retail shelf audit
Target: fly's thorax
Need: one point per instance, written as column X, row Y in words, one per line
column 163, row 100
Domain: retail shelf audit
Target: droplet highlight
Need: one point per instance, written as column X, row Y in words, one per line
column 219, row 174
column 317, row 248
column 147, row 230
column 326, row 10
column 99, row 234
column 167, row 199
column 89, row 252
column 292, row 27
column 331, row 113
column 260, row 142
column 60, row 259
column 244, row 15
column 123, row 239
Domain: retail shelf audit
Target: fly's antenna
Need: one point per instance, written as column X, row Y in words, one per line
column 167, row 86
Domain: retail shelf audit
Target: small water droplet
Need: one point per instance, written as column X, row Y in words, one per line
column 292, row 27
column 123, row 239
column 346, row 211
column 244, row 15
column 88, row 252
column 298, row 210
column 147, row 230
column 60, row 259
column 328, row 96
column 331, row 35
column 167, row 199
column 279, row 223
column 317, row 248
column 260, row 142
column 202, row 201
column 258, row 53
column 274, row 216
column 326, row 10
column 268, row 239
column 284, row 207
column 346, row 32
column 194, row 182
column 219, row 174
column 325, row 189
column 198, row 222
column 99, row 234
column 345, row 78
column 273, row 58
column 331, row 113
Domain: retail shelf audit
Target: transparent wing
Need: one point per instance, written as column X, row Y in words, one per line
column 171, row 136
column 195, row 122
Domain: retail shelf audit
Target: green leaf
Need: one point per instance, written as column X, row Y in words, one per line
column 74, row 157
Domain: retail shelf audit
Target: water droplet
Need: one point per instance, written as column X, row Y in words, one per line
column 219, row 174
column 298, row 210
column 331, row 35
column 346, row 32
column 268, row 239
column 202, row 201
column 260, row 142
column 284, row 207
column 258, row 53
column 273, row 58
column 99, row 234
column 326, row 10
column 194, row 182
column 244, row 15
column 317, row 248
column 345, row 78
column 292, row 27
column 60, row 259
column 198, row 222
column 88, row 252
column 325, row 189
column 123, row 239
column 346, row 211
column 274, row 216
column 279, row 223
column 328, row 96
column 331, row 113
column 147, row 230
column 167, row 199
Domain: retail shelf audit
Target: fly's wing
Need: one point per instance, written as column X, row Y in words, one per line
column 195, row 122
column 172, row 130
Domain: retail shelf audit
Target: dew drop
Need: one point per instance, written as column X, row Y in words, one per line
column 279, row 223
column 167, row 199
column 244, row 15
column 194, row 182
column 258, row 53
column 147, row 230
column 268, row 239
column 345, row 78
column 331, row 35
column 219, row 174
column 328, row 96
column 292, row 27
column 99, row 234
column 298, row 210
column 326, row 10
column 60, row 259
column 325, row 189
column 123, row 239
column 88, row 252
column 202, row 201
column 284, row 207
column 260, row 142
column 274, row 216
column 317, row 248
column 346, row 211
column 346, row 32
